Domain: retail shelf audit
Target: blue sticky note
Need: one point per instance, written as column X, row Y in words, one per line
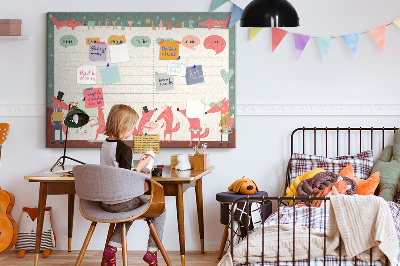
column 110, row 74
column 194, row 75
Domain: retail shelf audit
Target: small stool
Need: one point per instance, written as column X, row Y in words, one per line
column 226, row 199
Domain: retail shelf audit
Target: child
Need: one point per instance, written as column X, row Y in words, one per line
column 114, row 152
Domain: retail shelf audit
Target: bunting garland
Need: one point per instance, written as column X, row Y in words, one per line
column 378, row 34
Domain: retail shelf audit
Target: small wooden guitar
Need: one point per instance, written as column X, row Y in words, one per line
column 3, row 135
column 8, row 226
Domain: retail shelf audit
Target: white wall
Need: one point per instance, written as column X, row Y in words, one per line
column 263, row 78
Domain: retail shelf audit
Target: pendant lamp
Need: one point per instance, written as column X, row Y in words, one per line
column 75, row 118
column 269, row 13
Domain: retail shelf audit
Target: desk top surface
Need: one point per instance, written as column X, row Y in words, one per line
column 169, row 175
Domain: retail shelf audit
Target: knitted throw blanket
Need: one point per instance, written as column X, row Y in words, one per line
column 364, row 222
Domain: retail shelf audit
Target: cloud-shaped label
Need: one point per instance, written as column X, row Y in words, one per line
column 215, row 42
column 190, row 41
column 141, row 41
column 68, row 40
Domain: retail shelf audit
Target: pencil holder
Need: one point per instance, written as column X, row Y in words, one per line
column 201, row 161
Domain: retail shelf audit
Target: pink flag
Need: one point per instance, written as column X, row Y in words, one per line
column 378, row 35
column 277, row 36
column 300, row 42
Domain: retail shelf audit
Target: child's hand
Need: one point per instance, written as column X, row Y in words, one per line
column 144, row 161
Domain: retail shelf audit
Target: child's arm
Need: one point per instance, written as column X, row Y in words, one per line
column 144, row 161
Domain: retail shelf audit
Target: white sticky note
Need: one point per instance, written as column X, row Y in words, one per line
column 119, row 53
column 177, row 67
column 86, row 74
column 194, row 109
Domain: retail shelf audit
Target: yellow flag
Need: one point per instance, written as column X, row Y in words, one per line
column 397, row 22
column 254, row 32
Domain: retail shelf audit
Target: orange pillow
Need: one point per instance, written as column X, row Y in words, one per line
column 365, row 187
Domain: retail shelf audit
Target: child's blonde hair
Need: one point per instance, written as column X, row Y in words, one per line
column 121, row 118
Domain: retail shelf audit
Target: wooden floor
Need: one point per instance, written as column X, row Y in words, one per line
column 93, row 258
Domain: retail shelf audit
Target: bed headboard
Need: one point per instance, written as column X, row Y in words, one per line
column 331, row 142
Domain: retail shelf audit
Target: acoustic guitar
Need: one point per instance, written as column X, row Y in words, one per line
column 3, row 135
column 8, row 226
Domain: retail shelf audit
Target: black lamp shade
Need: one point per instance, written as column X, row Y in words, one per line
column 76, row 118
column 269, row 13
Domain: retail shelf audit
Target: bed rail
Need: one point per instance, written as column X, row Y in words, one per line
column 263, row 200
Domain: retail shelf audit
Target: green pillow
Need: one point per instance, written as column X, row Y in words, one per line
column 389, row 169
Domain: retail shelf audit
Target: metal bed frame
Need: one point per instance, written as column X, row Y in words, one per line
column 361, row 133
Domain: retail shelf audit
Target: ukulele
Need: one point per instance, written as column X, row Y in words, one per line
column 8, row 226
column 3, row 135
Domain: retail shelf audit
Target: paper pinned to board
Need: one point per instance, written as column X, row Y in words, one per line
column 119, row 53
column 164, row 82
column 177, row 67
column 194, row 75
column 93, row 97
column 194, row 109
column 98, row 51
column 110, row 74
column 169, row 50
column 86, row 74
column 143, row 143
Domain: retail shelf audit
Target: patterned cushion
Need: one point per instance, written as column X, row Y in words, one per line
column 362, row 163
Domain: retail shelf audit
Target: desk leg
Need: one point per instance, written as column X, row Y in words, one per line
column 181, row 225
column 40, row 219
column 71, row 201
column 199, row 201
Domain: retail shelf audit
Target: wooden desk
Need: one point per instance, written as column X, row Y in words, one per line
column 175, row 183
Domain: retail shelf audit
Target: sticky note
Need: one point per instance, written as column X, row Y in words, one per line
column 194, row 109
column 169, row 50
column 98, row 52
column 119, row 53
column 194, row 75
column 93, row 97
column 143, row 143
column 177, row 67
column 92, row 112
column 110, row 74
column 86, row 74
column 164, row 82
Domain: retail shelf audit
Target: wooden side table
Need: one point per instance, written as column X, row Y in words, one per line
column 226, row 199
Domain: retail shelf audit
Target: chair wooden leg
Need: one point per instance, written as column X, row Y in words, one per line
column 86, row 243
column 223, row 242
column 110, row 232
column 124, row 248
column 160, row 246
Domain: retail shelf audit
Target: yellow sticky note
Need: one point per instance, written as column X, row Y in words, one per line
column 169, row 50
column 143, row 143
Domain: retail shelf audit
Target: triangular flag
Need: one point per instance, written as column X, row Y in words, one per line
column 324, row 44
column 277, row 36
column 236, row 15
column 300, row 42
column 379, row 34
column 217, row 3
column 352, row 42
column 397, row 22
column 254, row 32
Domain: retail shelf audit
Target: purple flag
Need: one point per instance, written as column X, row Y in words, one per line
column 300, row 42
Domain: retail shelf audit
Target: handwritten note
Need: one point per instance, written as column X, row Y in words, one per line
column 169, row 50
column 177, row 67
column 194, row 75
column 86, row 75
column 93, row 97
column 164, row 82
column 110, row 74
column 98, row 52
column 143, row 143
column 119, row 53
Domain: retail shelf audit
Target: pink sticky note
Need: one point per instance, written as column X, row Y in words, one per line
column 93, row 97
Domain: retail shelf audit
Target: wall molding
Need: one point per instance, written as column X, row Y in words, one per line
column 12, row 110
